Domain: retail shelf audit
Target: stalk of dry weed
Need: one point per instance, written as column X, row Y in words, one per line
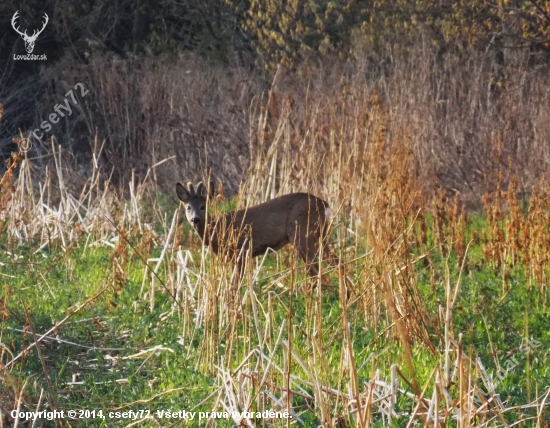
column 352, row 153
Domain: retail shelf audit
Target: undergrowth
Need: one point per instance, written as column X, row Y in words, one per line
column 439, row 316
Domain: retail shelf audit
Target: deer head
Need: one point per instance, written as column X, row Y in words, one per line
column 29, row 40
column 195, row 203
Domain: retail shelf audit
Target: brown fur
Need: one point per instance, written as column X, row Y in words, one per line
column 299, row 219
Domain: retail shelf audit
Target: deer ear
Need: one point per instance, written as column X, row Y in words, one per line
column 182, row 192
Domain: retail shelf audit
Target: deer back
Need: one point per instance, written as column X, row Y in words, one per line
column 272, row 224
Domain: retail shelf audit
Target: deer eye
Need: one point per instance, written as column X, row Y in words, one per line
column 202, row 207
column 188, row 208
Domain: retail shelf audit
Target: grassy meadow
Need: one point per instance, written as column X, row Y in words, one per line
column 436, row 316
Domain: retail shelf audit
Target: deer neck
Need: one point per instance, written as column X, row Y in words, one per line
column 200, row 229
column 204, row 230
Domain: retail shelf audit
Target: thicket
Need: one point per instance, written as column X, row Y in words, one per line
column 436, row 316
column 181, row 80
column 395, row 113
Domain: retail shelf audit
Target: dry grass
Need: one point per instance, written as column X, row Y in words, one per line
column 454, row 107
column 268, row 345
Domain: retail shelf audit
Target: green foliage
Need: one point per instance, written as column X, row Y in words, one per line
column 104, row 341
column 285, row 31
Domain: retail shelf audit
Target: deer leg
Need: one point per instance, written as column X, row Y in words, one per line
column 334, row 261
column 307, row 248
column 311, row 254
column 240, row 258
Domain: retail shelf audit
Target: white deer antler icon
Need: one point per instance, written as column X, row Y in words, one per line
column 29, row 40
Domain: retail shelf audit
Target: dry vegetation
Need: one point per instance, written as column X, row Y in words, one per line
column 387, row 153
column 404, row 148
column 465, row 115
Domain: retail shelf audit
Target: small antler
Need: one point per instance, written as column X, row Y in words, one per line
column 13, row 24
column 201, row 189
column 191, row 189
column 36, row 34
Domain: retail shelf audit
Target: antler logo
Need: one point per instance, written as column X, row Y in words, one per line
column 29, row 40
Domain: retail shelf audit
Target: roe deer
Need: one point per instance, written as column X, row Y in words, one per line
column 299, row 219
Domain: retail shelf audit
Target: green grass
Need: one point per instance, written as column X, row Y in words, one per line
column 129, row 353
